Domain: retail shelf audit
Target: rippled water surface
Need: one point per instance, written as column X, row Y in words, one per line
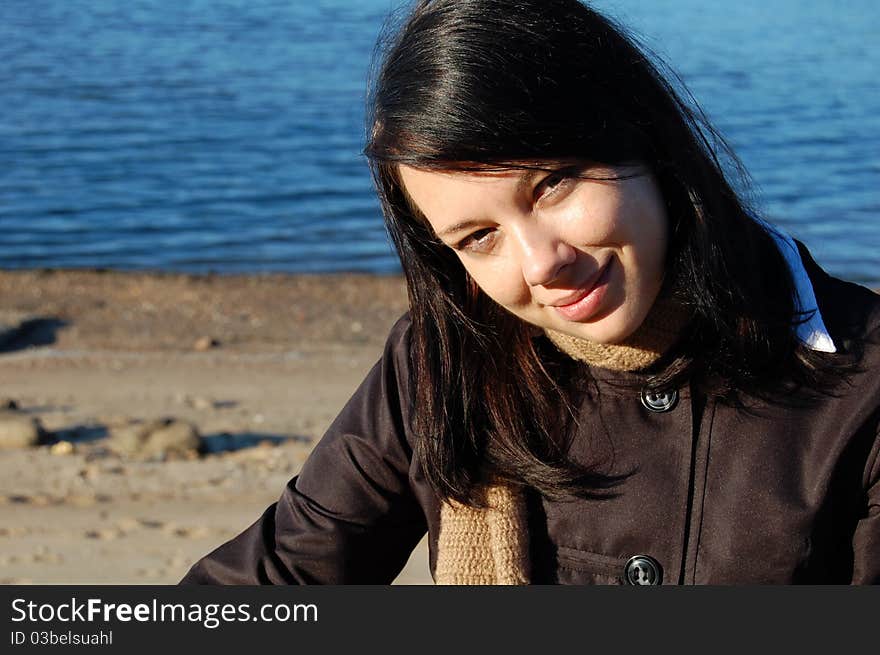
column 225, row 135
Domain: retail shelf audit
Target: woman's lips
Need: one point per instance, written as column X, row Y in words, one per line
column 588, row 303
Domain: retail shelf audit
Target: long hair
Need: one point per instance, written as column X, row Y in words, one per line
column 475, row 84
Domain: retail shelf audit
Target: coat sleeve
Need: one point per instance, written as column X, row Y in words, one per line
column 866, row 539
column 350, row 516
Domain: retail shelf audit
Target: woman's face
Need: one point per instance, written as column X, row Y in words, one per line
column 580, row 256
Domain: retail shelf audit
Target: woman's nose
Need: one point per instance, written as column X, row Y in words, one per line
column 544, row 256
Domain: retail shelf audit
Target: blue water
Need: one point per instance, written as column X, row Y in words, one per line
column 225, row 135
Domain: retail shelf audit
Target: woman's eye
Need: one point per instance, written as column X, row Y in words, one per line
column 554, row 182
column 479, row 241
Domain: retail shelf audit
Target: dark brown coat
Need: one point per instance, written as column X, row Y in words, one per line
column 771, row 495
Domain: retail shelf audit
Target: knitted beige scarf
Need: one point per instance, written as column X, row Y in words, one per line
column 491, row 546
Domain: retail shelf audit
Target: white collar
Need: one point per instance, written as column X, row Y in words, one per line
column 812, row 332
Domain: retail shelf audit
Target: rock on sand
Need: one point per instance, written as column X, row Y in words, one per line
column 157, row 438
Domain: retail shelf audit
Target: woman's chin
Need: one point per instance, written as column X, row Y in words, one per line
column 614, row 328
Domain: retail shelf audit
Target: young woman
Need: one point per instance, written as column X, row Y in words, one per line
column 612, row 371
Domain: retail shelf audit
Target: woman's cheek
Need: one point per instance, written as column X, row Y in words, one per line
column 590, row 226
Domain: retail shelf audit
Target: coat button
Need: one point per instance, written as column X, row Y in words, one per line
column 659, row 401
column 642, row 570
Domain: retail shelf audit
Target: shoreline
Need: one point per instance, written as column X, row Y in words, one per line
column 168, row 311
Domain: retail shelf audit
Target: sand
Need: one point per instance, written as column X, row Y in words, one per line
column 261, row 364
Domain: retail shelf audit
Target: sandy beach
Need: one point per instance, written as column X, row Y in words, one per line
column 257, row 366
